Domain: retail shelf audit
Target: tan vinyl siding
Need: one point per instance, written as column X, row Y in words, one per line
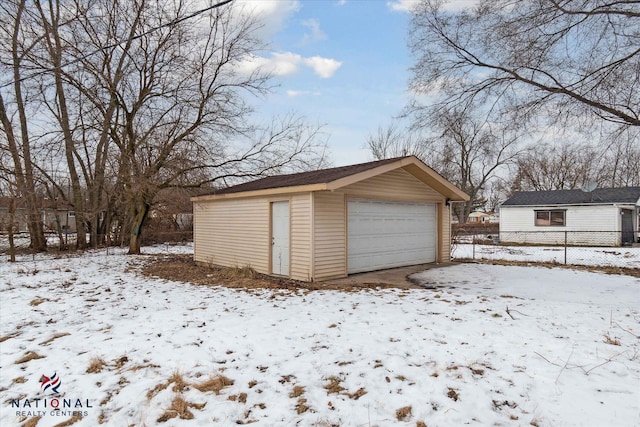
column 397, row 185
column 233, row 233
column 329, row 235
column 301, row 237
column 445, row 232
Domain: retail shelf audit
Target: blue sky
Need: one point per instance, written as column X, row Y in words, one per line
column 342, row 64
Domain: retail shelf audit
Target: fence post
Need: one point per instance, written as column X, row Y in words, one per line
column 474, row 246
column 565, row 247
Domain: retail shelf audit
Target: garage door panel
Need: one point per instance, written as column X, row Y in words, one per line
column 390, row 234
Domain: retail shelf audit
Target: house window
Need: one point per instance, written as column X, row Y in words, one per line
column 550, row 218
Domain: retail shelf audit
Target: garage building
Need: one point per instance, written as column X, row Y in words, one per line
column 329, row 223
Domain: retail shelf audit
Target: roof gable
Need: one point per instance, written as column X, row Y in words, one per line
column 628, row 195
column 338, row 177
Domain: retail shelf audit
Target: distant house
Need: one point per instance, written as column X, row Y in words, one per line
column 19, row 217
column 53, row 214
column 329, row 223
column 602, row 217
column 483, row 218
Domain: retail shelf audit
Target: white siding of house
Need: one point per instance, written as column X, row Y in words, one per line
column 585, row 225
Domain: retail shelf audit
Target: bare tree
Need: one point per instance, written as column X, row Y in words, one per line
column 462, row 144
column 470, row 151
column 180, row 106
column 139, row 96
column 15, row 103
column 571, row 56
column 395, row 141
column 547, row 166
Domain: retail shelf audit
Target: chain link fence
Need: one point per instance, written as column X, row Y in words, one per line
column 154, row 234
column 586, row 248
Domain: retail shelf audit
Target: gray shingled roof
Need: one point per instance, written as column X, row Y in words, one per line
column 305, row 178
column 629, row 195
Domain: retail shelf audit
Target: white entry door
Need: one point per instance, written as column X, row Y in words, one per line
column 386, row 234
column 280, row 238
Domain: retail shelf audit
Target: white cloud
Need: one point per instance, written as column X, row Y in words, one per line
column 450, row 5
column 294, row 93
column 280, row 64
column 316, row 33
column 287, row 63
column 324, row 67
column 341, row 2
column 272, row 14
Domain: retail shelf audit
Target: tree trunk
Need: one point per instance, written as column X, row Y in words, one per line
column 139, row 215
column 12, row 216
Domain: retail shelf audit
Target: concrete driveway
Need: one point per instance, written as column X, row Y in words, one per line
column 396, row 277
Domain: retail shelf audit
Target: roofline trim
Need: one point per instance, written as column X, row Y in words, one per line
column 411, row 164
column 263, row 192
column 572, row 204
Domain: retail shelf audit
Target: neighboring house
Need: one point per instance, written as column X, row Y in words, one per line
column 483, row 218
column 329, row 223
column 19, row 217
column 64, row 217
column 603, row 217
column 53, row 214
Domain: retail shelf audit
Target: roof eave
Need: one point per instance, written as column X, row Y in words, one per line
column 567, row 204
column 264, row 192
column 410, row 164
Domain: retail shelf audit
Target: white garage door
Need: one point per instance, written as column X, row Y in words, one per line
column 390, row 234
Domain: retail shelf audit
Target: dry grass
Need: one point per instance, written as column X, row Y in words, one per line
column 180, row 408
column 333, row 386
column 246, row 272
column 214, row 384
column 179, row 384
column 95, row 365
column 6, row 337
column 421, row 424
column 37, row 301
column 31, row 422
column 297, row 391
column 453, row 394
column 301, row 406
column 403, row 413
column 357, row 394
column 74, row 419
column 30, row 355
column 19, row 380
column 121, row 361
column 157, row 389
column 611, row 340
column 628, row 271
column 55, row 337
column 182, row 268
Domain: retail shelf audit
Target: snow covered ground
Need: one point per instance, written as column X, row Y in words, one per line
column 613, row 257
column 446, row 355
